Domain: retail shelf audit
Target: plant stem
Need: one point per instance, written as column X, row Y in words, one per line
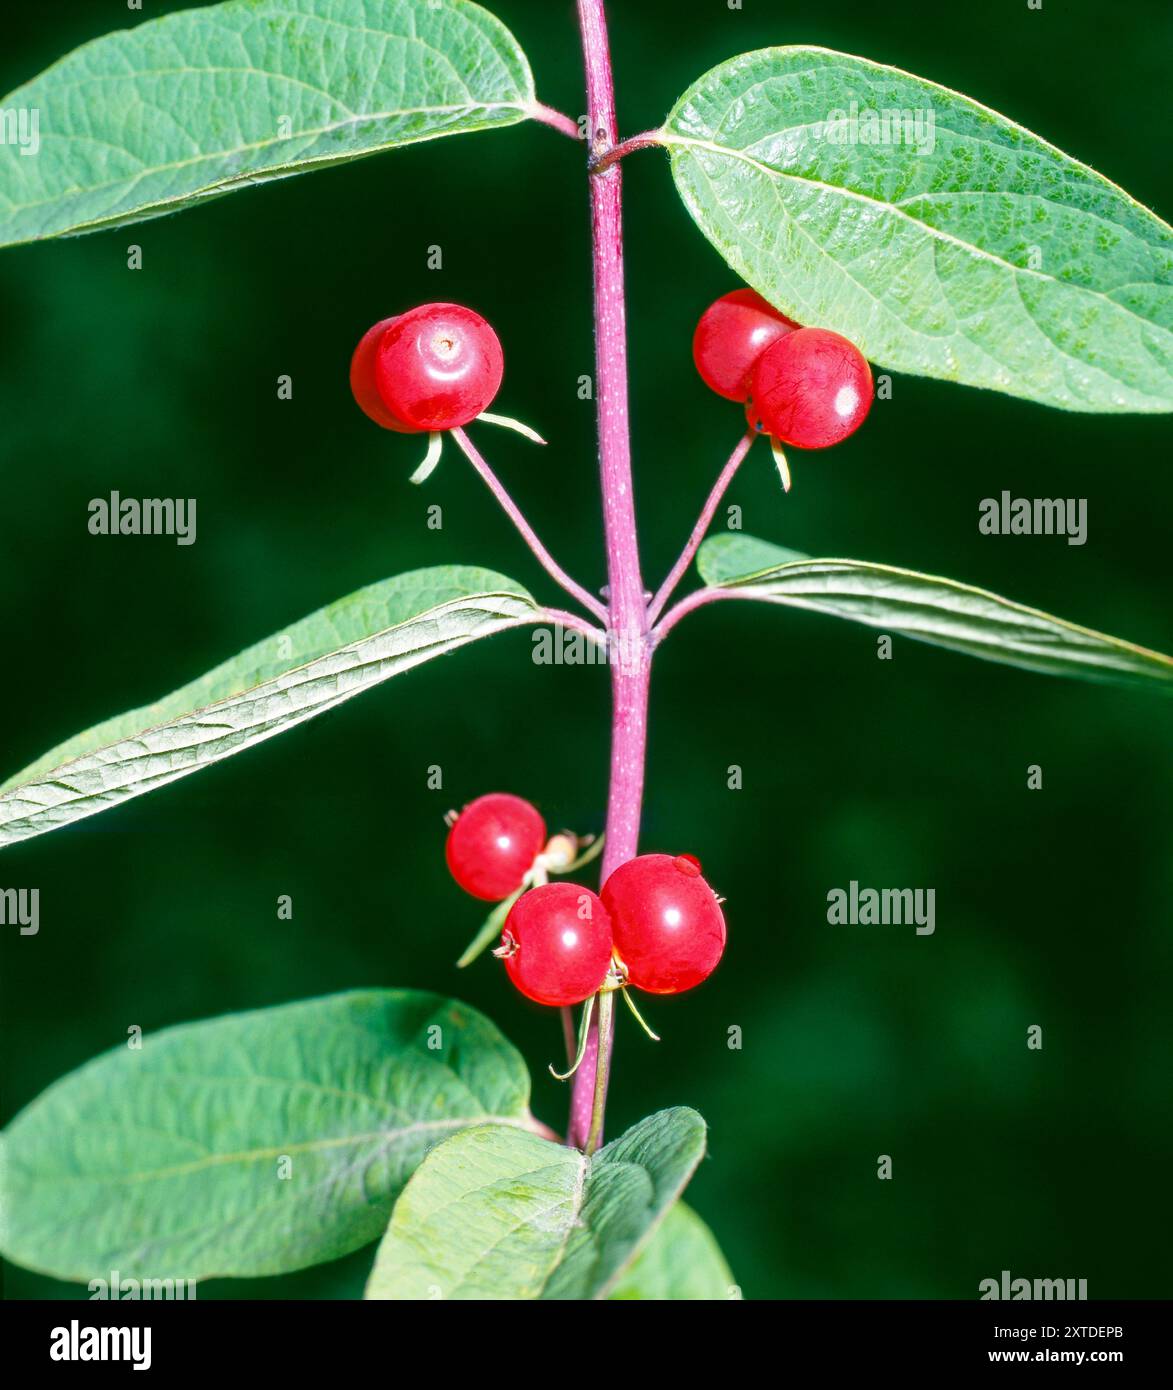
column 698, row 531
column 548, row 116
column 697, row 600
column 601, row 162
column 631, row 650
column 599, row 1095
column 561, row 617
column 513, row 512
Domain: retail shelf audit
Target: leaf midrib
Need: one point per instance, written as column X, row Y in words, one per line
column 130, row 181
column 244, row 1156
column 671, row 139
column 227, row 701
column 855, row 566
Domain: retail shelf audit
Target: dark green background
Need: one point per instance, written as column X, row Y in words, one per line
column 1051, row 905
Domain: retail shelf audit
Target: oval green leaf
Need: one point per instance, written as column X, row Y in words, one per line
column 942, row 238
column 252, row 1144
column 929, row 609
column 311, row 667
column 497, row 1213
column 152, row 119
column 682, row 1261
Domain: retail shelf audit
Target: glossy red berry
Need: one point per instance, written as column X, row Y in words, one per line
column 362, row 380
column 668, row 926
column 557, row 944
column 811, row 389
column 730, row 337
column 437, row 366
column 493, row 843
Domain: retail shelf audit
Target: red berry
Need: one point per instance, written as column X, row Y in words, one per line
column 362, row 380
column 493, row 843
column 557, row 944
column 811, row 389
column 438, row 366
column 730, row 337
column 669, row 928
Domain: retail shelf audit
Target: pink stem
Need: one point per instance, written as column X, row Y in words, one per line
column 642, row 141
column 631, row 649
column 562, row 617
column 548, row 116
column 692, row 601
column 513, row 512
column 702, row 525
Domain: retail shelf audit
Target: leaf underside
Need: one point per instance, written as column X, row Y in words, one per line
column 152, row 119
column 969, row 250
column 252, row 1144
column 312, row 666
column 939, row 611
column 501, row 1214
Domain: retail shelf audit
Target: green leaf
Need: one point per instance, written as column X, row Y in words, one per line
column 928, row 608
column 491, row 929
column 152, row 119
column 500, row 1214
column 681, row 1261
column 168, row 1162
column 968, row 250
column 317, row 663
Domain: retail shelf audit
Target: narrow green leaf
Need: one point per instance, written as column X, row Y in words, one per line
column 490, row 931
column 964, row 247
column 151, row 119
column 500, row 1214
column 928, row 608
column 251, row 1144
column 681, row 1261
column 317, row 663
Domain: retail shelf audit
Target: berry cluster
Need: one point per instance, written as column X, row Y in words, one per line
column 803, row 386
column 434, row 368
column 657, row 924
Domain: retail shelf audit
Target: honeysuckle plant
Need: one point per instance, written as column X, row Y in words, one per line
column 264, row 1142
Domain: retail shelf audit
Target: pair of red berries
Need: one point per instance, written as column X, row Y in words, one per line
column 433, row 368
column 657, row 924
column 803, row 386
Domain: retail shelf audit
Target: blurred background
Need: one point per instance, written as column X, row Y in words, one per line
column 1052, row 905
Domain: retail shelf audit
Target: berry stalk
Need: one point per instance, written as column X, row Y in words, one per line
column 627, row 625
column 702, row 525
column 515, row 514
